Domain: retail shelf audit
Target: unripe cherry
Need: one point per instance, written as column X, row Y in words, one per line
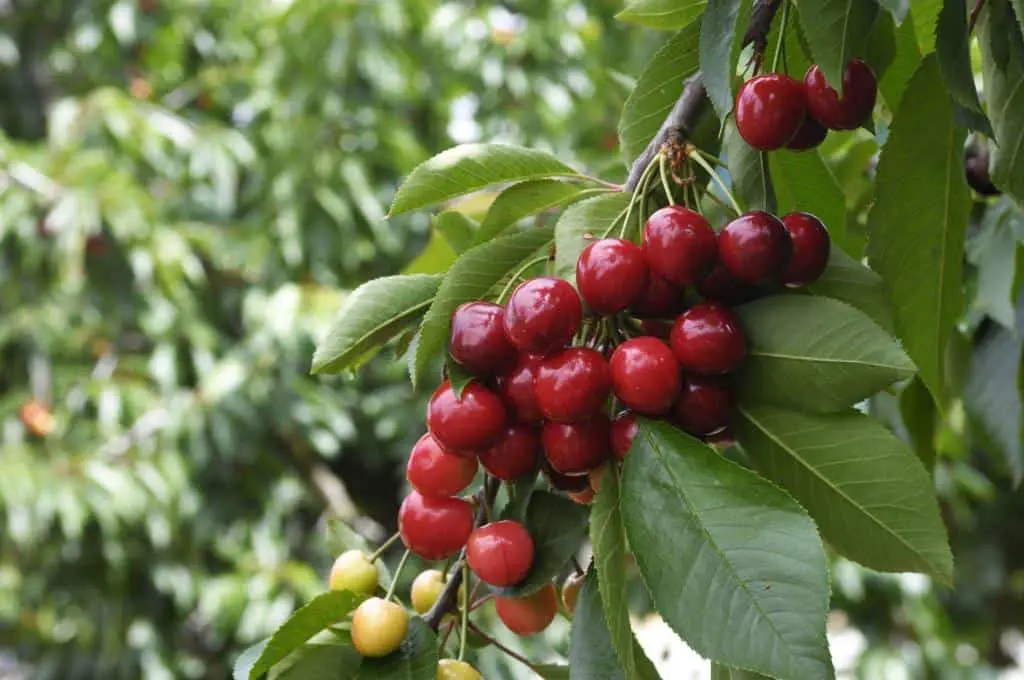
column 378, row 627
column 611, row 273
column 645, row 375
column 451, row 669
column 468, row 424
column 427, row 587
column 353, row 571
column 514, row 454
column 434, row 528
column 572, row 384
column 434, row 472
column 500, row 553
column 528, row 615
column 478, row 341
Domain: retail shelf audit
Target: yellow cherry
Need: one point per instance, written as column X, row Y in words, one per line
column 354, row 571
column 378, row 627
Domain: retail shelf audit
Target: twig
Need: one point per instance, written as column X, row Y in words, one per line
column 974, row 16
column 515, row 655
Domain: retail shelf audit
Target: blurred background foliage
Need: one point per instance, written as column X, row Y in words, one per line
column 187, row 190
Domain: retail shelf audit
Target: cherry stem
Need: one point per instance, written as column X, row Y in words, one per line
column 761, row 159
column 699, row 159
column 782, row 36
column 518, row 273
column 394, row 579
column 481, row 602
column 577, row 567
column 515, row 655
column 597, row 180
column 465, row 615
column 639, row 192
column 447, row 634
column 664, row 179
column 383, row 547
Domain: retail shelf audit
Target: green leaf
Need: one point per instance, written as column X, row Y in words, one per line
column 524, row 199
column 903, row 65
column 247, row 659
column 881, row 48
column 457, row 376
column 591, row 655
column 322, row 611
column 319, row 661
column 804, row 183
column 918, row 412
column 580, row 224
column 851, row 282
column 457, row 229
column 552, row 671
column 1004, row 91
column 917, row 224
column 926, row 17
column 816, row 354
column 468, row 167
column 991, row 395
column 416, row 659
column 370, row 315
column 723, row 672
column 471, row 277
column 608, row 539
column 519, row 493
column 868, row 492
column 953, row 49
column 748, row 171
column 837, row 31
column 719, row 50
column 662, row 14
column 435, row 258
column 657, row 89
column 732, row 563
column 557, row 527
column 993, row 252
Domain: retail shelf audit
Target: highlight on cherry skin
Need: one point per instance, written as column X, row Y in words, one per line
column 353, row 571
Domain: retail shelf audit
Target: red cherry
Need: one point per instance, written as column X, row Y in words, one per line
column 516, row 389
column 528, row 615
column 542, row 315
column 572, row 385
column 769, row 110
column 434, row 472
column 721, row 286
column 704, row 405
column 645, row 375
column 656, row 328
column 434, row 528
column 500, row 553
column 560, row 482
column 478, row 340
column 611, row 274
column 707, row 339
column 811, row 246
column 576, row 448
column 514, row 454
column 851, row 110
column 755, row 248
column 468, row 424
column 679, row 245
column 659, row 298
column 624, row 429
column 811, row 134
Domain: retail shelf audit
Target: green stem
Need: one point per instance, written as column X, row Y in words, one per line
column 717, row 180
column 764, row 180
column 638, row 193
column 664, row 180
column 782, row 36
column 465, row 616
column 394, row 579
column 384, row 546
column 515, row 277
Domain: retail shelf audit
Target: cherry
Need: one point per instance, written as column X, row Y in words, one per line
column 572, row 385
column 645, row 375
column 427, row 587
column 659, row 298
column 452, row 669
column 516, row 389
column 679, row 244
column 353, row 571
column 576, row 448
column 656, row 328
column 811, row 134
column 853, row 108
column 811, row 246
column 707, row 339
column 704, row 405
column 514, row 454
column 721, row 286
column 611, row 274
column 478, row 341
column 571, row 591
column 754, row 248
column 500, row 553
column 976, row 167
column 434, row 528
column 434, row 472
column 528, row 615
column 467, row 424
column 566, row 483
column 769, row 110
column 542, row 315
column 624, row 430
column 378, row 627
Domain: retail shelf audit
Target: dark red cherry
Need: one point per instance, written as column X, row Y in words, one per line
column 624, row 430
column 659, row 298
column 466, row 425
column 976, row 167
column 434, row 528
column 707, row 339
column 542, row 315
column 516, row 389
column 656, row 328
column 811, row 246
column 478, row 341
column 576, row 448
column 572, row 385
column 769, row 110
column 679, row 245
column 434, row 472
column 611, row 274
column 811, row 134
column 704, row 405
column 645, row 375
column 514, row 454
column 755, row 248
column 721, row 286
column 853, row 108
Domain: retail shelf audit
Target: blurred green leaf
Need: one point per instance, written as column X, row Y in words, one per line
column 662, row 14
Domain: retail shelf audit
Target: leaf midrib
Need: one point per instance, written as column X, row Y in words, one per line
column 827, row 360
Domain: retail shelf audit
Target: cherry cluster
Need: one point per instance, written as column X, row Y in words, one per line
column 775, row 111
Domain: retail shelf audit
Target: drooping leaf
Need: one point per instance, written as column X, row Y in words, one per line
column 868, row 492
column 1004, row 92
column 608, row 539
column 918, row 412
column 416, row 659
column 732, row 563
column 475, row 272
column 851, row 282
column 370, row 315
column 952, row 47
column 662, row 14
column 468, row 167
column 719, row 49
column 322, row 611
column 926, row 18
column 815, row 354
column 748, row 170
column 524, row 199
column 722, row 672
column 456, row 228
column 917, row 224
column 591, row 653
column 804, row 183
column 657, row 89
column 247, row 659
column 903, row 66
column 581, row 223
column 837, row 31
column 557, row 527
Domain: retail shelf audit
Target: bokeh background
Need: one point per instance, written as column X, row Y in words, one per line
column 188, row 188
